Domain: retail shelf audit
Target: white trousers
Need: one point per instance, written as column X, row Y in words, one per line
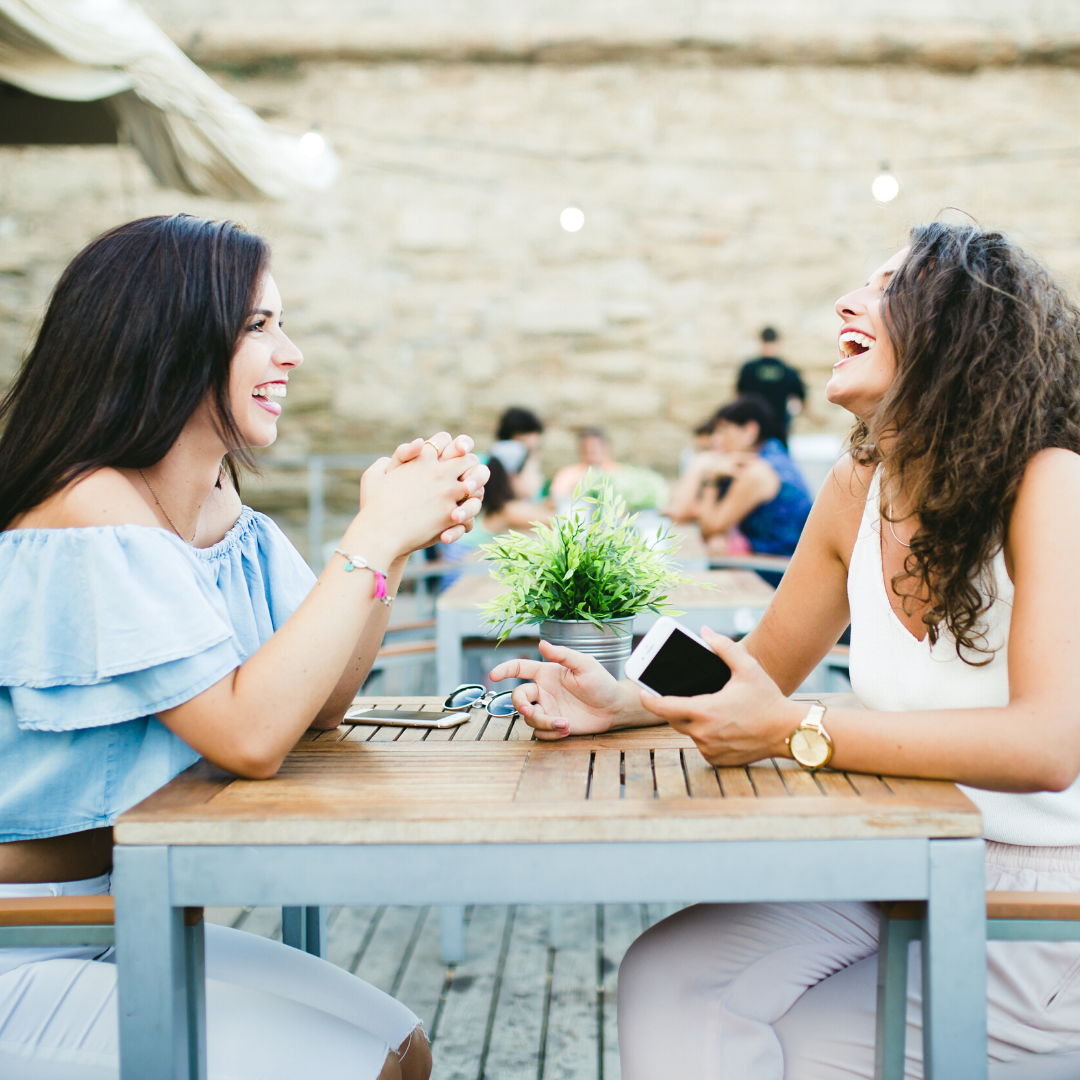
column 788, row 991
column 272, row 1013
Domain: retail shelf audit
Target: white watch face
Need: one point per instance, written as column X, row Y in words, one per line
column 809, row 748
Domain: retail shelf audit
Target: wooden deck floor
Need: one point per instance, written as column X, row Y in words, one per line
column 535, row 1000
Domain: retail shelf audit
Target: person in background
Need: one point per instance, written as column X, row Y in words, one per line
column 510, row 509
column 504, row 507
column 521, row 426
column 594, row 453
column 778, row 383
column 747, row 481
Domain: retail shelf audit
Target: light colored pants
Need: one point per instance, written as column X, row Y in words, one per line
column 272, row 1012
column 788, row 991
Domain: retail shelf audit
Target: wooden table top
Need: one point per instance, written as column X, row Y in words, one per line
column 489, row 781
column 730, row 589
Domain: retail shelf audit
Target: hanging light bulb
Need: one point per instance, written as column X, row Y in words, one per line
column 312, row 144
column 572, row 218
column 885, row 187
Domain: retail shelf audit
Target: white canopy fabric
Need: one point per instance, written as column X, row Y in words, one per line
column 193, row 135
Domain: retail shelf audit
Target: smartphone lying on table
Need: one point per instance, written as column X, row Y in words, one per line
column 360, row 714
column 671, row 660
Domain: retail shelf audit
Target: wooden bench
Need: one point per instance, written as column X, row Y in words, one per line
column 44, row 921
column 1010, row 916
column 56, row 920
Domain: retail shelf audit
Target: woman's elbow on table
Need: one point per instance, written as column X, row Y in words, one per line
column 1054, row 763
column 251, row 761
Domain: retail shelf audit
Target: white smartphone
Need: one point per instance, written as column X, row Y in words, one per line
column 671, row 660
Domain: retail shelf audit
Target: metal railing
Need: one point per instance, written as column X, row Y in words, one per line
column 317, row 466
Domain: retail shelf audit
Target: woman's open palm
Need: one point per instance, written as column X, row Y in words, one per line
column 570, row 695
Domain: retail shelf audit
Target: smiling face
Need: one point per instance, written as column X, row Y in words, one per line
column 867, row 364
column 260, row 369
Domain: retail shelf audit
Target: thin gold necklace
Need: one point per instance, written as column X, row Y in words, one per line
column 889, row 519
column 191, row 542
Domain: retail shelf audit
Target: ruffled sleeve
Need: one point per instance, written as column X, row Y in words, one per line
column 260, row 576
column 103, row 625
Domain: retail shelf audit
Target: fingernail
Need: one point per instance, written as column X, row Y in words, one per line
column 470, row 486
column 466, row 443
column 562, row 725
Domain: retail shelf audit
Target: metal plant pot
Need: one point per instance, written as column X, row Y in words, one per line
column 611, row 644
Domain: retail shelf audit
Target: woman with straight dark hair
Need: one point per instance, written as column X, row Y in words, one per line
column 947, row 537
column 148, row 618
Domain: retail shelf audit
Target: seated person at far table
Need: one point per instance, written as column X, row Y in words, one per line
column 745, row 481
column 947, row 538
column 594, row 453
column 522, row 426
column 502, row 511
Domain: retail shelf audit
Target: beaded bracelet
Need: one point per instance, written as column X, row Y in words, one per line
column 352, row 562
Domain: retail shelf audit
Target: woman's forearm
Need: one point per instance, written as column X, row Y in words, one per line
column 629, row 712
column 363, row 658
column 249, row 720
column 1021, row 747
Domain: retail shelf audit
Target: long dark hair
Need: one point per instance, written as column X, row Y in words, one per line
column 987, row 348
column 140, row 329
column 499, row 490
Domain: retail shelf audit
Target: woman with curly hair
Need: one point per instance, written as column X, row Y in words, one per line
column 947, row 537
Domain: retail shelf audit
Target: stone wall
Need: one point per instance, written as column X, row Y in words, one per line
column 433, row 286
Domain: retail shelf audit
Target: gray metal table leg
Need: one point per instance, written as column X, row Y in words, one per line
column 894, row 943
column 304, row 928
column 954, row 963
column 452, row 926
column 448, row 654
column 155, row 955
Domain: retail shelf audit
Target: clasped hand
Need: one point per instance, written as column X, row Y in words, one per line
column 571, row 694
column 458, row 488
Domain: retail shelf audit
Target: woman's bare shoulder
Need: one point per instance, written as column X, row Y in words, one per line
column 838, row 508
column 847, row 485
column 103, row 497
column 1050, row 468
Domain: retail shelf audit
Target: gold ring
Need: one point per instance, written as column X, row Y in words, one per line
column 428, row 442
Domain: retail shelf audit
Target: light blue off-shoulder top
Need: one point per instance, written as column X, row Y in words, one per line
column 101, row 628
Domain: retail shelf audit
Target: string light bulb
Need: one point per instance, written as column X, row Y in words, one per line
column 312, row 144
column 572, row 219
column 885, row 187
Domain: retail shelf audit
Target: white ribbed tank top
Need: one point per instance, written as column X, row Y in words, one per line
column 891, row 671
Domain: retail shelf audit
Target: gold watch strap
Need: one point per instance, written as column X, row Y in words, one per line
column 814, row 718
column 814, row 721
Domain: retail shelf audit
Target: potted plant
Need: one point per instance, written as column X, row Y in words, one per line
column 584, row 577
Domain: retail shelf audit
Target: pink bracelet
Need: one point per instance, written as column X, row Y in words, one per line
column 352, row 562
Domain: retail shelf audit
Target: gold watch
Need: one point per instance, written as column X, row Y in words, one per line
column 810, row 743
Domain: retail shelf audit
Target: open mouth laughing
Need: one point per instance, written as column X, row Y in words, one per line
column 265, row 391
column 853, row 343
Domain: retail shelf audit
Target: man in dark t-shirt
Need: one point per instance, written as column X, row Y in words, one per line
column 777, row 382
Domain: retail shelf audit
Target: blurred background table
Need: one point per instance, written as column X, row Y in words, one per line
column 733, row 606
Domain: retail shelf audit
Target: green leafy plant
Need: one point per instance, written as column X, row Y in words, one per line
column 592, row 565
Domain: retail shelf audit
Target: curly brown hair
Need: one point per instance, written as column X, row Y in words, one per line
column 987, row 348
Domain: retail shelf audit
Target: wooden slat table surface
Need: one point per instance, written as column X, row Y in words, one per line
column 488, row 780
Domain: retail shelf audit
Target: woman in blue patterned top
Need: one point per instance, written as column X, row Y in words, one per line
column 148, row 618
column 751, row 484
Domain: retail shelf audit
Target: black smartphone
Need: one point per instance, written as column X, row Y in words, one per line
column 672, row 660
